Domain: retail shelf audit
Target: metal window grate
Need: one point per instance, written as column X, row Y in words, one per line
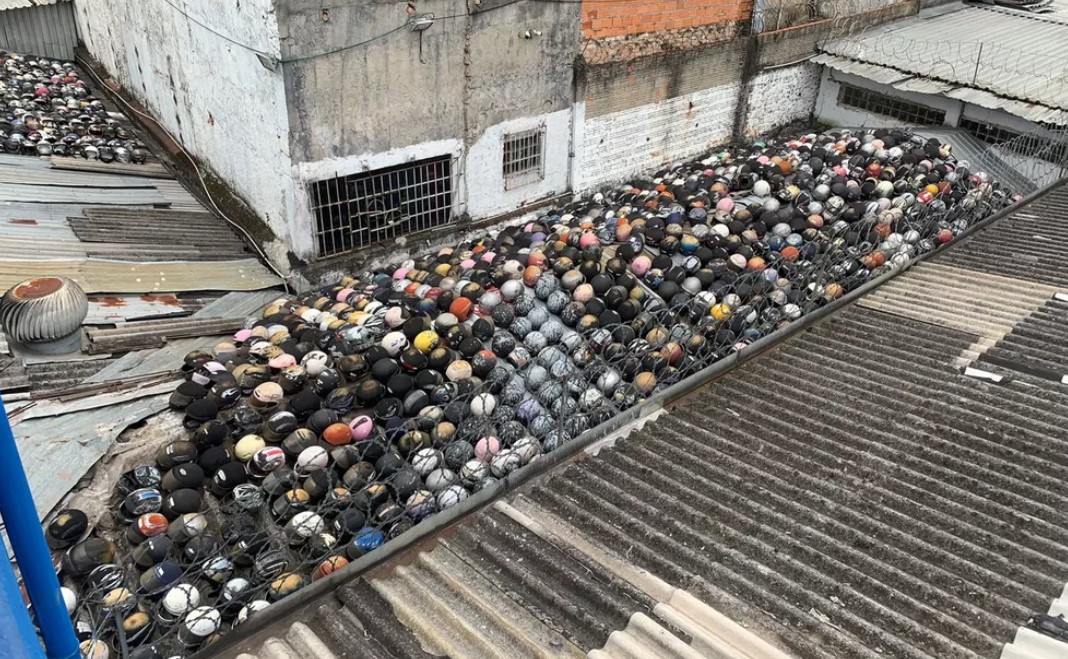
column 864, row 99
column 1050, row 144
column 987, row 132
column 524, row 157
column 363, row 209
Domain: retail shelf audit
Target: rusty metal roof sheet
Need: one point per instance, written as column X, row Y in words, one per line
column 101, row 276
column 115, row 231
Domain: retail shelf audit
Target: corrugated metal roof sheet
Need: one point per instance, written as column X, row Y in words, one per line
column 1008, row 54
column 81, row 438
column 110, row 309
column 119, row 242
column 1025, row 245
column 880, row 74
column 849, row 494
column 40, row 27
column 37, row 194
column 924, row 86
column 15, row 4
column 1038, row 345
column 100, row 276
column 1030, row 111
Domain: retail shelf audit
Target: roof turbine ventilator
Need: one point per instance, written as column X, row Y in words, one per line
column 45, row 314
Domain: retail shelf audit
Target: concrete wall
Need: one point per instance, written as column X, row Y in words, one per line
column 457, row 89
column 644, row 113
column 622, row 144
column 213, row 96
column 828, row 110
column 781, row 96
column 373, row 97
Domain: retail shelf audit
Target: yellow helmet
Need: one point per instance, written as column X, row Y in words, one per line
column 426, row 341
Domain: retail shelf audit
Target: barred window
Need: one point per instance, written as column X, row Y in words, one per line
column 913, row 113
column 524, row 158
column 987, row 132
column 363, row 209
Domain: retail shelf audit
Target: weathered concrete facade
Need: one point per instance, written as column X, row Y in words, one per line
column 456, row 89
column 657, row 96
column 352, row 89
column 214, row 96
column 302, row 91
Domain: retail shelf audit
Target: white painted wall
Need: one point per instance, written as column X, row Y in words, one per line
column 213, row 96
column 829, row 111
column 484, row 177
column 622, row 144
column 780, row 96
column 999, row 118
column 302, row 219
column 480, row 189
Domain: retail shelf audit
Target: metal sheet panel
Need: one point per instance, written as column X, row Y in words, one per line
column 166, row 359
column 111, row 309
column 57, row 451
column 56, row 177
column 42, row 29
column 1030, row 111
column 21, row 192
column 151, row 169
column 880, row 74
column 99, row 276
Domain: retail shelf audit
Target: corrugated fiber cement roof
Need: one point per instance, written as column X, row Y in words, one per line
column 1010, row 54
column 855, row 492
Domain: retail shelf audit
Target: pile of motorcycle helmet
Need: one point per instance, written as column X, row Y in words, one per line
column 338, row 419
column 47, row 109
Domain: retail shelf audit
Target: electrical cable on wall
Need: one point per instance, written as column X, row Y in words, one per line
column 203, row 183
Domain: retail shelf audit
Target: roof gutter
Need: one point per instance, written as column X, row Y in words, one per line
column 266, row 622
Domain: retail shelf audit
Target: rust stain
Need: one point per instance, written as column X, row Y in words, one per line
column 109, row 302
column 38, row 287
column 23, row 222
column 166, row 300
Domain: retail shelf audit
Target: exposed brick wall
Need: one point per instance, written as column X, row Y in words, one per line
column 630, row 47
column 781, row 96
column 629, row 142
column 603, row 19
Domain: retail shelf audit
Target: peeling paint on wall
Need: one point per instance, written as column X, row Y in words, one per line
column 780, row 96
column 185, row 75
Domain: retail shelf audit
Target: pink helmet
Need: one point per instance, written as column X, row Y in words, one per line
column 361, row 427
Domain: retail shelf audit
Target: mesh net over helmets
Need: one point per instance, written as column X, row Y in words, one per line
column 46, row 108
column 407, row 390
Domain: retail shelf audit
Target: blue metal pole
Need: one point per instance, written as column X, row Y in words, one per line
column 31, row 550
column 17, row 634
